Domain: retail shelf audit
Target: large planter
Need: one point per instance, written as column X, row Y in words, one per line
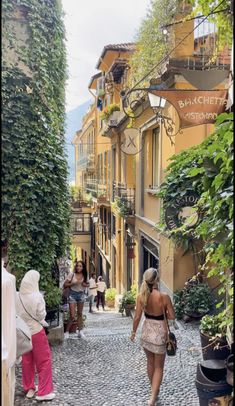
column 52, row 316
column 210, row 350
column 230, row 369
column 110, row 302
column 128, row 308
column 196, row 316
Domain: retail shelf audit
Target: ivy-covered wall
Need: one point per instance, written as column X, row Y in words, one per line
column 35, row 197
column 208, row 170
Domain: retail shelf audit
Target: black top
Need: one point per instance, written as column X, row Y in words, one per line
column 150, row 316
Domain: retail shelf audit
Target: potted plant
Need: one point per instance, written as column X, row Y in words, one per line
column 194, row 300
column 110, row 297
column 213, row 337
column 108, row 111
column 127, row 302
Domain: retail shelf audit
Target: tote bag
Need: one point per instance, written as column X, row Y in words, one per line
column 23, row 337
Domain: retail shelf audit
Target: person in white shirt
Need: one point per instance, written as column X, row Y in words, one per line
column 30, row 306
column 92, row 292
column 101, row 288
column 8, row 337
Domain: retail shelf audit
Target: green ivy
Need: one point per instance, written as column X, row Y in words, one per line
column 208, row 170
column 222, row 20
column 151, row 44
column 35, row 196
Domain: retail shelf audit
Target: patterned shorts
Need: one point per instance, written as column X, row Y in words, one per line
column 154, row 336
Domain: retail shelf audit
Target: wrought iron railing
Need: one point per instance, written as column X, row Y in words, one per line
column 91, row 188
column 103, row 192
column 124, row 198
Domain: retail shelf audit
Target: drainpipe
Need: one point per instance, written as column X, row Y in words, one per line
column 91, row 93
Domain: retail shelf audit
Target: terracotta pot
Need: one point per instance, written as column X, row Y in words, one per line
column 110, row 302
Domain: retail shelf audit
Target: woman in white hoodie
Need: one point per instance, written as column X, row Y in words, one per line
column 30, row 306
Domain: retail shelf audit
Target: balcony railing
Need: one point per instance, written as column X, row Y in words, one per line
column 91, row 188
column 103, row 193
column 124, row 198
column 86, row 162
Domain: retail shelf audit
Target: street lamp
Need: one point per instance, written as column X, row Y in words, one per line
column 157, row 104
column 94, row 217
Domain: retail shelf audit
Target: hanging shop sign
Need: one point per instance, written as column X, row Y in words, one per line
column 195, row 107
column 183, row 212
column 130, row 143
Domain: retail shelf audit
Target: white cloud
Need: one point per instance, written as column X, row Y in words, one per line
column 90, row 25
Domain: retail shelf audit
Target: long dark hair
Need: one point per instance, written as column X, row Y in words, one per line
column 84, row 270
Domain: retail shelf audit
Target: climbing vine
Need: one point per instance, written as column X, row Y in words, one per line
column 35, row 197
column 208, row 170
column 151, row 43
column 223, row 18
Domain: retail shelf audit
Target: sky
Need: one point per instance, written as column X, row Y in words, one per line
column 90, row 25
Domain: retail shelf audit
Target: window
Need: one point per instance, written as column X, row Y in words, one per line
column 113, row 225
column 155, row 157
column 80, row 223
column 105, row 167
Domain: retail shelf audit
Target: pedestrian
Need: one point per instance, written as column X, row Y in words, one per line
column 92, row 291
column 8, row 320
column 30, row 306
column 154, row 330
column 101, row 288
column 77, row 282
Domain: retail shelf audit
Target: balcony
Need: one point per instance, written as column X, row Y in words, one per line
column 103, row 195
column 124, row 199
column 86, row 162
column 90, row 164
column 91, row 188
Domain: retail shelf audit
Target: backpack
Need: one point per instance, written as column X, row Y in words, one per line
column 23, row 337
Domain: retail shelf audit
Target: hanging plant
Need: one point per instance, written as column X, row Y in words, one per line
column 208, row 169
column 108, row 111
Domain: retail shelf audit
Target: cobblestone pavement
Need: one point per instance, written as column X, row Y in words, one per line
column 109, row 370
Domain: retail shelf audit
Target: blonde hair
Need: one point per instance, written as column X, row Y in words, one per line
column 150, row 277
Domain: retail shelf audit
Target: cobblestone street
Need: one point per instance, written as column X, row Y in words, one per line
column 109, row 370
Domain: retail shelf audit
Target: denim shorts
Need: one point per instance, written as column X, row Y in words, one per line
column 76, row 297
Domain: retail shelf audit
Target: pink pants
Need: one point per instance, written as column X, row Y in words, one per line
column 38, row 359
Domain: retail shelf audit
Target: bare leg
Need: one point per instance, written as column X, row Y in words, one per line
column 150, row 364
column 72, row 307
column 159, row 360
column 79, row 315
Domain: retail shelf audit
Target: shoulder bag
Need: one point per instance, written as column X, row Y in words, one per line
column 45, row 328
column 171, row 343
column 23, row 337
column 66, row 290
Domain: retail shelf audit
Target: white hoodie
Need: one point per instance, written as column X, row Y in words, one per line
column 33, row 302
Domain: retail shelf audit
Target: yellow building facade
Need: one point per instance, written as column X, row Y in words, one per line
column 127, row 239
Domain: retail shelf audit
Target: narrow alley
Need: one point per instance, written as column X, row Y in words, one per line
column 109, row 370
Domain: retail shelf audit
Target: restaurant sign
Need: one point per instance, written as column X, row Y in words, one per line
column 195, row 107
column 183, row 212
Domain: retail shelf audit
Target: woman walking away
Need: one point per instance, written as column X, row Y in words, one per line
column 77, row 282
column 30, row 306
column 154, row 330
column 101, row 288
